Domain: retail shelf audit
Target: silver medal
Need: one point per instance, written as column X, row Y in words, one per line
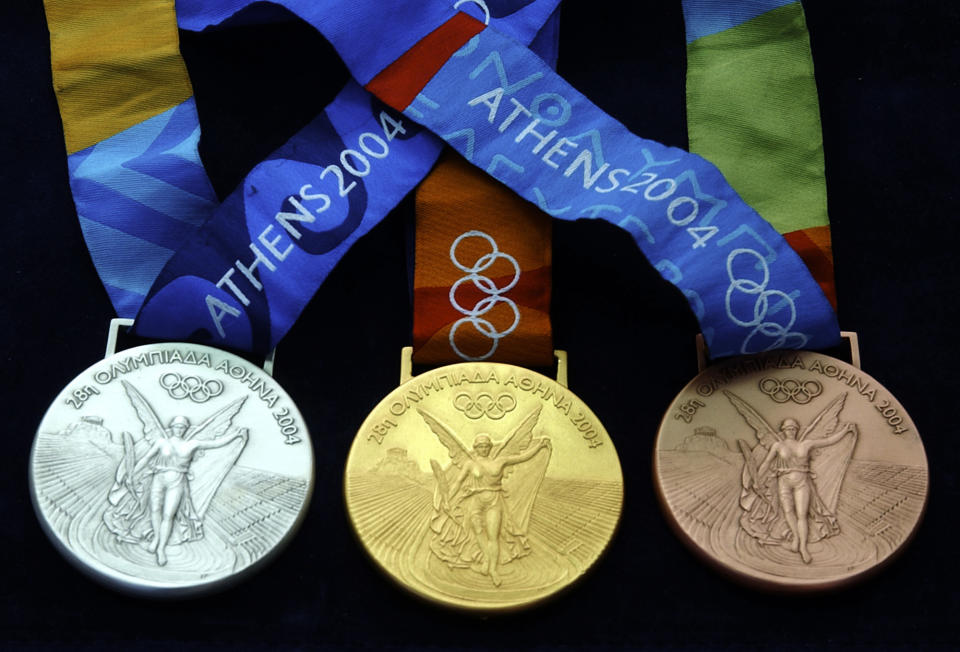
column 171, row 469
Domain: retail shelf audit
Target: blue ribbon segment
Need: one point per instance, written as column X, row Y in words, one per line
column 393, row 30
column 243, row 280
column 140, row 194
column 246, row 278
column 509, row 114
column 706, row 17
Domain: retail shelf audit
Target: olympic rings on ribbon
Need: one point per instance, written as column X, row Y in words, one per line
column 192, row 387
column 782, row 391
column 761, row 308
column 484, row 404
column 474, row 316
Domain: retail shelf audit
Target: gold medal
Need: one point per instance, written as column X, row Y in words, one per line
column 484, row 486
column 790, row 470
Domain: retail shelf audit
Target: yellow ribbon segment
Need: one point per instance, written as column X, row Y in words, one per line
column 115, row 64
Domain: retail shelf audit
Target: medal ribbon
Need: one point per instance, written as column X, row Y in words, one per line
column 131, row 131
column 539, row 136
column 502, row 107
column 752, row 110
column 482, row 276
column 141, row 190
column 482, row 270
column 273, row 241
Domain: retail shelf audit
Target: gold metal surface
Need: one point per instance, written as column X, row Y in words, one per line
column 406, row 364
column 483, row 486
column 790, row 470
column 562, row 366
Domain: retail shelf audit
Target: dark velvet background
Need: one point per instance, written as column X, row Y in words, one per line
column 887, row 74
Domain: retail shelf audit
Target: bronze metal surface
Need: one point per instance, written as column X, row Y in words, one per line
column 791, row 470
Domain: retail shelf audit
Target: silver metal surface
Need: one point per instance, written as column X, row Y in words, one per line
column 113, row 334
column 171, row 469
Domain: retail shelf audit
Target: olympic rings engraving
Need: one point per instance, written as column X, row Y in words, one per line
column 782, row 391
column 474, row 315
column 484, row 404
column 780, row 333
column 196, row 389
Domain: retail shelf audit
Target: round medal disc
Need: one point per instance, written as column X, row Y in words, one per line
column 171, row 469
column 483, row 486
column 790, row 470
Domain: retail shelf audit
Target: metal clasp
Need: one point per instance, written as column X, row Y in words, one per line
column 113, row 333
column 853, row 341
column 406, row 365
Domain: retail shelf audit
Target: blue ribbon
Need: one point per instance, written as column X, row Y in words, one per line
column 245, row 278
column 509, row 114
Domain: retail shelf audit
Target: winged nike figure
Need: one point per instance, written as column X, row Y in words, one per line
column 788, row 485
column 165, row 479
column 483, row 499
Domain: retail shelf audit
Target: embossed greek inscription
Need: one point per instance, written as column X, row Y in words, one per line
column 432, row 387
column 380, row 430
column 860, row 384
column 80, row 396
column 686, row 411
column 251, row 379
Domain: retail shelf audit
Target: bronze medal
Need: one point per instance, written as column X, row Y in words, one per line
column 790, row 470
column 484, row 486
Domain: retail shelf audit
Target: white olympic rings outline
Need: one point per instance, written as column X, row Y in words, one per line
column 479, row 3
column 192, row 387
column 761, row 306
column 484, row 404
column 781, row 391
column 486, row 285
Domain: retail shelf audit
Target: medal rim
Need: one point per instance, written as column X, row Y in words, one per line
column 99, row 572
column 770, row 583
column 459, row 604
